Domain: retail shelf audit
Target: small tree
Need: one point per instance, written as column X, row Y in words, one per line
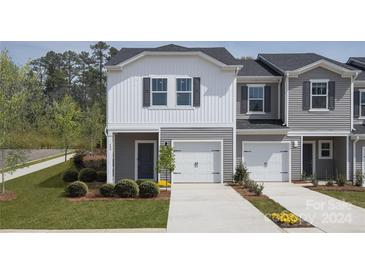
column 66, row 117
column 241, row 174
column 166, row 160
column 93, row 126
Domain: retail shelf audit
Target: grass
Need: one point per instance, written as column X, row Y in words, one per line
column 266, row 206
column 33, row 162
column 353, row 197
column 40, row 205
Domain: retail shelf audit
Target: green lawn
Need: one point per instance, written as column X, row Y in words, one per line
column 267, row 206
column 40, row 205
column 356, row 198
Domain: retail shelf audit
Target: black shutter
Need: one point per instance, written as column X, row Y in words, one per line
column 306, row 95
column 243, row 105
column 267, row 99
column 331, row 95
column 146, row 92
column 356, row 103
column 196, row 92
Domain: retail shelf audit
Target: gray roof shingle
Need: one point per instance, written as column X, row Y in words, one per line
column 359, row 129
column 259, row 124
column 294, row 61
column 219, row 53
column 358, row 63
column 255, row 68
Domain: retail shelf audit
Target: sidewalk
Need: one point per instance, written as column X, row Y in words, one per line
column 33, row 168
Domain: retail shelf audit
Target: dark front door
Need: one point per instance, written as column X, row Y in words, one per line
column 145, row 161
column 308, row 159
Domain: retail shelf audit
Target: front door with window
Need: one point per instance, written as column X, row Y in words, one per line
column 308, row 159
column 145, row 161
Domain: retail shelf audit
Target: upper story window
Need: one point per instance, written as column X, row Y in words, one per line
column 159, row 92
column 184, row 92
column 256, row 98
column 362, row 103
column 319, row 95
column 325, row 149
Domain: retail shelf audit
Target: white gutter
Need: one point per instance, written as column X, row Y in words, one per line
column 279, row 98
column 354, row 157
column 286, row 92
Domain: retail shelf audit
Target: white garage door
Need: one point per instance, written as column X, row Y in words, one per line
column 198, row 162
column 267, row 161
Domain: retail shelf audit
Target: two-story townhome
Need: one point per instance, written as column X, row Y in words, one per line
column 283, row 115
column 358, row 136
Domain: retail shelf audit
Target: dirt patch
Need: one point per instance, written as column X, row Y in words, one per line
column 251, row 197
column 338, row 188
column 7, row 196
column 94, row 195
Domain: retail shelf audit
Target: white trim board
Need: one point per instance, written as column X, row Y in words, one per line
column 320, row 142
column 136, row 142
column 202, row 141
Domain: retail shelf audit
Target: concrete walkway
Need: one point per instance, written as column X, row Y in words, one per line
column 33, row 168
column 324, row 212
column 214, row 208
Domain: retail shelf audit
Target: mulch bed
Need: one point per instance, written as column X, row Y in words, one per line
column 7, row 196
column 94, row 195
column 338, row 188
column 252, row 196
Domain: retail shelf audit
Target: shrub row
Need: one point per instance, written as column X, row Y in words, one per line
column 85, row 175
column 242, row 177
column 127, row 188
column 254, row 187
column 94, row 160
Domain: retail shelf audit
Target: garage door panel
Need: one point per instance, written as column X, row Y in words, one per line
column 197, row 162
column 267, row 161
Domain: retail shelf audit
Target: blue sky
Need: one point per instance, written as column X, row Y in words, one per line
column 21, row 52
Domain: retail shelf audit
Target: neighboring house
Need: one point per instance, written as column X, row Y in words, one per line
column 283, row 115
column 358, row 136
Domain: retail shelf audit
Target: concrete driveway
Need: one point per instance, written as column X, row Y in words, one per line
column 324, row 212
column 214, row 208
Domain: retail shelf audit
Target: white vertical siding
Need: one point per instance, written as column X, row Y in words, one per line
column 125, row 93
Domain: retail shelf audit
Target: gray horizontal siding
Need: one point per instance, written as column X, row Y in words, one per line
column 124, row 153
column 338, row 119
column 273, row 114
column 225, row 134
column 295, row 152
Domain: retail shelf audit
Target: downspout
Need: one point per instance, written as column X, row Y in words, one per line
column 279, row 98
column 352, row 102
column 286, row 92
column 354, row 157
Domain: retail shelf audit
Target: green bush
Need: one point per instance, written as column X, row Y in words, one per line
column 140, row 181
column 101, row 176
column 87, row 175
column 359, row 178
column 76, row 189
column 126, row 188
column 148, row 189
column 258, row 188
column 77, row 159
column 341, row 180
column 241, row 174
column 70, row 176
column 107, row 190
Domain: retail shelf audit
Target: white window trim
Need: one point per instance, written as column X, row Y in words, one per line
column 320, row 142
column 191, row 93
column 156, row 92
column 311, row 95
column 263, row 98
column 360, row 114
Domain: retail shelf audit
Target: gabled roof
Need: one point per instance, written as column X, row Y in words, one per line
column 259, row 124
column 286, row 62
column 253, row 67
column 358, row 63
column 219, row 53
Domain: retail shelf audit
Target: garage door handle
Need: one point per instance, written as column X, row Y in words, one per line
column 215, row 150
column 177, row 172
column 284, row 172
column 283, row 151
column 216, row 173
column 177, row 150
column 247, row 151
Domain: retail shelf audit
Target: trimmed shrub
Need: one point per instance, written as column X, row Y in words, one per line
column 101, row 176
column 70, row 176
column 95, row 161
column 76, row 189
column 359, row 178
column 140, row 181
column 241, row 174
column 77, row 159
column 148, row 189
column 126, row 188
column 258, row 188
column 87, row 175
column 107, row 190
column 341, row 180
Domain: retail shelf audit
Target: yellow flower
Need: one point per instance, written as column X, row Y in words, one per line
column 164, row 183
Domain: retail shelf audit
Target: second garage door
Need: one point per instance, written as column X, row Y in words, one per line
column 267, row 161
column 198, row 162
